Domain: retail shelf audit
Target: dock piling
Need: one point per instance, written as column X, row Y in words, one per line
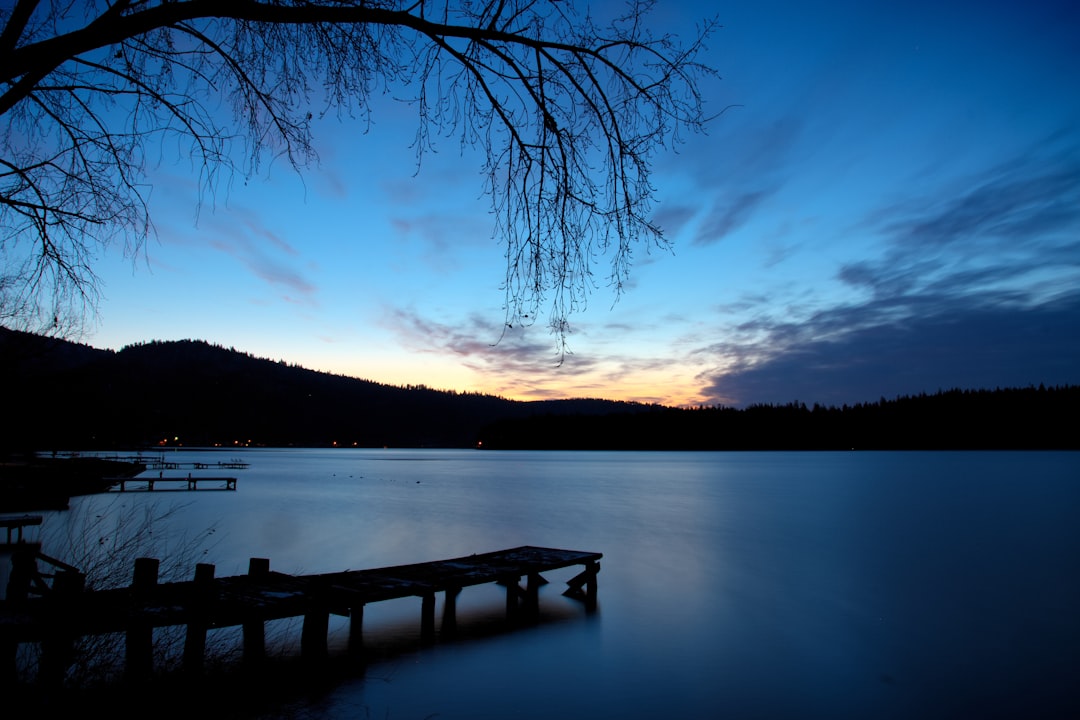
column 356, row 629
column 427, row 617
column 254, row 628
column 449, row 620
column 58, row 644
column 587, row 579
column 313, row 635
column 513, row 590
column 201, row 600
column 139, row 643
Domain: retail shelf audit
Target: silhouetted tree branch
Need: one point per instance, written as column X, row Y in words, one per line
column 568, row 113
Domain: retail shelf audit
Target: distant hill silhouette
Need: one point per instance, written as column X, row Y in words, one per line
column 62, row 395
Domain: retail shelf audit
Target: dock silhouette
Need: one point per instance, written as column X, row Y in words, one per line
column 55, row 617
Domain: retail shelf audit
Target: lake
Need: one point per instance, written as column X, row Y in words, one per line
column 742, row 585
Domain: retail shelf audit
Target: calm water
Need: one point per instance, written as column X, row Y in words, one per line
column 742, row 585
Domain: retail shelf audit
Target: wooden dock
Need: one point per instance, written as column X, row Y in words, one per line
column 158, row 461
column 66, row 611
column 161, row 483
column 15, row 525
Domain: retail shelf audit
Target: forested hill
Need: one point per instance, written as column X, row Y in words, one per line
column 61, row 395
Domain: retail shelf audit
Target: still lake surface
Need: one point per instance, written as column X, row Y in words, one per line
column 741, row 585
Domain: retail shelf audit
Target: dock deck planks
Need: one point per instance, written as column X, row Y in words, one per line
column 263, row 595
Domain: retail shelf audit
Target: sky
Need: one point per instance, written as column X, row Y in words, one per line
column 892, row 207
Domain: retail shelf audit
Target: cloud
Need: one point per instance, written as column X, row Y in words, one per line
column 976, row 287
column 510, row 360
column 735, row 172
column 1034, row 195
column 474, row 340
column 241, row 235
column 1014, row 226
column 443, row 234
column 728, row 214
column 266, row 268
column 522, row 362
column 672, row 218
column 921, row 344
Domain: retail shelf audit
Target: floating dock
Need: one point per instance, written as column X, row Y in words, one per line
column 66, row 611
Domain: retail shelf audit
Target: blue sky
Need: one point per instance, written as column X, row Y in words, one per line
column 892, row 208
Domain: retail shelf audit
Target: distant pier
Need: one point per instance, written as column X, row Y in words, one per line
column 162, row 483
column 56, row 616
column 15, row 525
column 159, row 462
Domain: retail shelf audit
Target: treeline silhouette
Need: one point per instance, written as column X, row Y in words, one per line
column 1025, row 418
column 62, row 395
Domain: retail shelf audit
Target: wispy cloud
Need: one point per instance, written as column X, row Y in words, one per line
column 728, row 214
column 1030, row 197
column 736, row 174
column 442, row 235
column 671, row 218
column 507, row 358
column 1016, row 224
column 267, row 255
column 523, row 363
column 267, row 268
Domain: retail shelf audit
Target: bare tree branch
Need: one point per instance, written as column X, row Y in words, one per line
column 569, row 115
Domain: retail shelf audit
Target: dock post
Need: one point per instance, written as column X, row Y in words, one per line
column 58, row 644
column 254, row 630
column 313, row 643
column 449, row 620
column 427, row 617
column 195, row 640
column 592, row 568
column 586, row 577
column 139, row 659
column 513, row 590
column 532, row 594
column 356, row 629
column 9, row 665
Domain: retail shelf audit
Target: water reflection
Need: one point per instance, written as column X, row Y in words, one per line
column 841, row 585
